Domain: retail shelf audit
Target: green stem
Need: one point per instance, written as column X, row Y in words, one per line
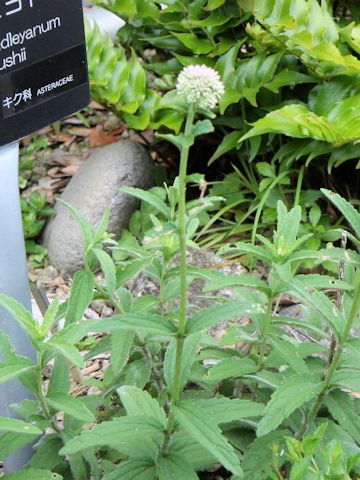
column 41, row 396
column 183, row 280
column 265, row 332
column 299, row 186
column 334, row 361
column 182, row 222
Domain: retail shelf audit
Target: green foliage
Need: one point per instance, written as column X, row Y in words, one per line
column 174, row 401
column 288, row 388
column 35, row 207
column 291, row 72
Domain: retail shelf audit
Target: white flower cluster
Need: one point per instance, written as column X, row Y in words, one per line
column 201, row 86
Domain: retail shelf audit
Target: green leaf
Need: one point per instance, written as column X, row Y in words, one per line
column 145, row 322
column 319, row 303
column 78, row 466
column 10, row 442
column 134, row 469
column 121, row 343
column 50, row 317
column 348, row 379
column 228, row 143
column 136, row 88
column 341, row 407
column 87, row 230
column 190, row 348
column 30, row 474
column 210, row 316
column 300, row 469
column 202, row 127
column 290, row 355
column 204, row 431
column 59, row 380
column 6, row 348
column 219, row 281
column 349, row 212
column 291, row 394
column 288, row 78
column 21, row 315
column 14, row 425
column 65, row 349
column 254, row 73
column 70, row 406
column 232, row 367
column 173, row 467
column 138, row 373
column 180, row 141
column 120, row 429
column 195, row 44
column 258, row 458
column 108, row 268
column 296, row 121
column 314, row 280
column 149, row 198
column 225, row 410
column 15, row 366
column 81, row 296
column 139, row 402
column 103, row 225
column 47, row 453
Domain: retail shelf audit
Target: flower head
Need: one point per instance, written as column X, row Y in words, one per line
column 201, row 86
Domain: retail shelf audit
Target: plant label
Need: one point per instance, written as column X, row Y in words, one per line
column 43, row 71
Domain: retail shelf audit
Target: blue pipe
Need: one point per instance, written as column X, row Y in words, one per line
column 13, row 282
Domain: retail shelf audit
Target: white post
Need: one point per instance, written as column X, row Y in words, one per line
column 13, row 282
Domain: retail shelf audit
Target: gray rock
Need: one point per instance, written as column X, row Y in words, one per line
column 94, row 188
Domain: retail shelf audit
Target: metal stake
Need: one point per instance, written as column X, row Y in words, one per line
column 13, row 282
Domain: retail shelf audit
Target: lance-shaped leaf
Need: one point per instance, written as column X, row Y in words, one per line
column 120, row 429
column 203, row 430
column 208, row 317
column 31, row 474
column 14, row 425
column 291, row 394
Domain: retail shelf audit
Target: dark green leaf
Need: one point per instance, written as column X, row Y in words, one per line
column 341, row 406
column 149, row 198
column 173, row 466
column 121, row 343
column 144, row 322
column 224, row 410
column 120, row 429
column 134, row 469
column 13, row 367
column 349, row 212
column 81, row 295
column 204, row 431
column 291, row 394
column 31, row 474
column 210, row 316
column 139, row 402
column 70, row 406
column 258, row 459
column 108, row 268
column 47, row 453
column 348, row 379
column 14, row 425
column 21, row 315
column 232, row 367
column 65, row 349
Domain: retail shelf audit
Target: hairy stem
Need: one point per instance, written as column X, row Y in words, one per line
column 265, row 332
column 183, row 280
column 334, row 357
column 41, row 396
